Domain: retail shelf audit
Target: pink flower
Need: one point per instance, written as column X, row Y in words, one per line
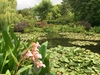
column 34, row 54
column 37, row 55
column 28, row 54
column 33, row 59
column 35, row 44
column 40, row 64
column 34, row 49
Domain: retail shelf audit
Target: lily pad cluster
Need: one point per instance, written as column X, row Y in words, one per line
column 83, row 43
column 44, row 35
column 74, row 61
column 29, row 36
column 81, row 36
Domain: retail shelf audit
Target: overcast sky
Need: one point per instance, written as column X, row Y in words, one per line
column 21, row 4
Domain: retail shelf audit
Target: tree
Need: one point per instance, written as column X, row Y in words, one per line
column 8, row 13
column 87, row 10
column 66, row 8
column 25, row 12
column 42, row 9
column 66, row 12
column 54, row 13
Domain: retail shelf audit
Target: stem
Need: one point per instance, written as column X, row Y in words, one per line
column 18, row 66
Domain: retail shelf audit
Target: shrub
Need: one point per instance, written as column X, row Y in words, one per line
column 30, row 21
column 48, row 29
column 95, row 29
column 58, row 21
column 67, row 28
column 40, row 24
column 64, row 29
column 20, row 26
column 51, row 28
column 32, row 29
column 78, row 29
column 62, row 20
column 85, row 24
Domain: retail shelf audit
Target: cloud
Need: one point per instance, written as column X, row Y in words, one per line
column 21, row 4
column 25, row 3
column 54, row 2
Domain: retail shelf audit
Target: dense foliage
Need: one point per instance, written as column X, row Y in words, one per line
column 54, row 13
column 74, row 61
column 87, row 10
column 43, row 8
column 18, row 58
column 20, row 27
column 8, row 13
column 66, row 24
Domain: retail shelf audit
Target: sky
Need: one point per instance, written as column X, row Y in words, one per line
column 21, row 4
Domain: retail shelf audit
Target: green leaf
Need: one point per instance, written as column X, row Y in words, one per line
column 15, row 41
column 5, row 61
column 8, row 72
column 47, row 68
column 61, row 69
column 17, row 46
column 6, row 37
column 13, row 36
column 1, row 59
column 15, row 59
column 23, row 69
column 42, row 49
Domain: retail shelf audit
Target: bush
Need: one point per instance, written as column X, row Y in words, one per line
column 67, row 28
column 63, row 28
column 51, row 28
column 40, row 24
column 85, row 24
column 48, row 29
column 58, row 21
column 20, row 26
column 32, row 29
column 30, row 21
column 95, row 29
column 78, row 29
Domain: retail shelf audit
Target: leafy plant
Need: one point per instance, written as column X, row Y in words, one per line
column 74, row 61
column 20, row 27
column 67, row 28
column 95, row 29
column 16, row 56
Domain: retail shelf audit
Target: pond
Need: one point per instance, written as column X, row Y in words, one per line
column 91, row 42
column 68, row 39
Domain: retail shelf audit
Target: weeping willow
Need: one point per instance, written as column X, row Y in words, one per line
column 8, row 13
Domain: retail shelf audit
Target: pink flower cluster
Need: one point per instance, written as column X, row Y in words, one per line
column 34, row 55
